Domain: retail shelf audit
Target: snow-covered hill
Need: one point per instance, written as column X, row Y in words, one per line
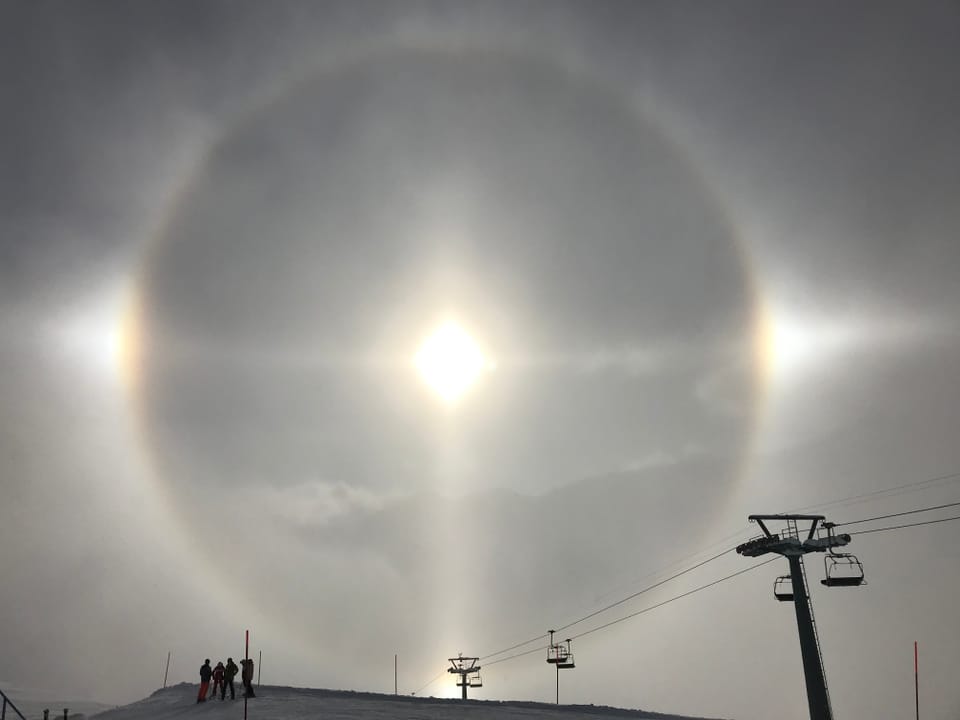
column 286, row 703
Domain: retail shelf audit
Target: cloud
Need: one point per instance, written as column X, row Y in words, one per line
column 313, row 503
column 662, row 458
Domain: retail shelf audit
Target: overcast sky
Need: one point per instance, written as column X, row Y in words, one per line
column 709, row 252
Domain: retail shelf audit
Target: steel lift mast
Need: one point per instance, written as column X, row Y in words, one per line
column 468, row 670
column 793, row 545
column 561, row 657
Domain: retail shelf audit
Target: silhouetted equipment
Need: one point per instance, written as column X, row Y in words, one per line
column 783, row 588
column 840, row 569
column 843, row 570
column 468, row 670
column 6, row 702
column 560, row 656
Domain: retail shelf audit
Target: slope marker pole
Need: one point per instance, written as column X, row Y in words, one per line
column 916, row 679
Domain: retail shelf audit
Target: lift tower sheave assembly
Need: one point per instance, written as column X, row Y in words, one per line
column 793, row 544
column 468, row 670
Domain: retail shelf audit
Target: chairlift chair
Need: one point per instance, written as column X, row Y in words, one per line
column 474, row 680
column 842, row 570
column 783, row 588
column 556, row 653
column 567, row 661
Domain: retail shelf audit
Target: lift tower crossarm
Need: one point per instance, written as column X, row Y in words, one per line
column 464, row 667
column 781, row 516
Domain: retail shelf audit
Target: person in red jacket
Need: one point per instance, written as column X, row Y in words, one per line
column 218, row 680
column 205, row 672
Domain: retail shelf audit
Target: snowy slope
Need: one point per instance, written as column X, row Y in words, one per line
column 284, row 703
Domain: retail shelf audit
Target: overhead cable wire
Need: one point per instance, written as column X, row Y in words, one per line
column 514, row 647
column 899, row 514
column 513, row 657
column 646, row 589
column 908, row 525
column 622, row 600
column 681, row 561
column 915, row 486
column 437, row 677
column 676, row 597
column 644, row 610
column 852, row 499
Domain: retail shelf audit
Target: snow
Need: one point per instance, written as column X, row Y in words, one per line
column 285, row 703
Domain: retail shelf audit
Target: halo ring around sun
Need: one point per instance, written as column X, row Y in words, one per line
column 139, row 321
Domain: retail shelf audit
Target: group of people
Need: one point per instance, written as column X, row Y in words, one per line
column 222, row 676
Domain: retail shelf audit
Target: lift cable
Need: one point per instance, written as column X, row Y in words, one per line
column 610, row 606
column 899, row 514
column 908, row 525
column 644, row 590
column 585, row 617
column 889, row 492
column 907, row 487
column 852, row 499
column 437, row 677
column 679, row 563
column 641, row 612
column 676, row 597
column 537, row 649
column 514, row 647
column 669, row 600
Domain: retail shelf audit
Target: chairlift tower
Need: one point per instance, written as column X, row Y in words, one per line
column 792, row 544
column 468, row 670
column 560, row 656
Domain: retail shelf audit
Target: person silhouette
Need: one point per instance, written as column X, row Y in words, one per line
column 205, row 673
column 229, row 673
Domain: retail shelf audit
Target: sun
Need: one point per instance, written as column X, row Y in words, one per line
column 450, row 362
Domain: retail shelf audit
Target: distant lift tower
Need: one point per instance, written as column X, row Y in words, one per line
column 561, row 657
column 468, row 670
column 841, row 570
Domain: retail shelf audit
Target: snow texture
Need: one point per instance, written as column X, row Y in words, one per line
column 286, row 703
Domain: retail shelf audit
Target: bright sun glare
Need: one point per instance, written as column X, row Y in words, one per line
column 450, row 362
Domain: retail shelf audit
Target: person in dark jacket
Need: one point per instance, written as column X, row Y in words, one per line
column 217, row 680
column 205, row 672
column 247, row 677
column 229, row 673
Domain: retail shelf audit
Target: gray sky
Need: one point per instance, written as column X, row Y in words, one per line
column 710, row 251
